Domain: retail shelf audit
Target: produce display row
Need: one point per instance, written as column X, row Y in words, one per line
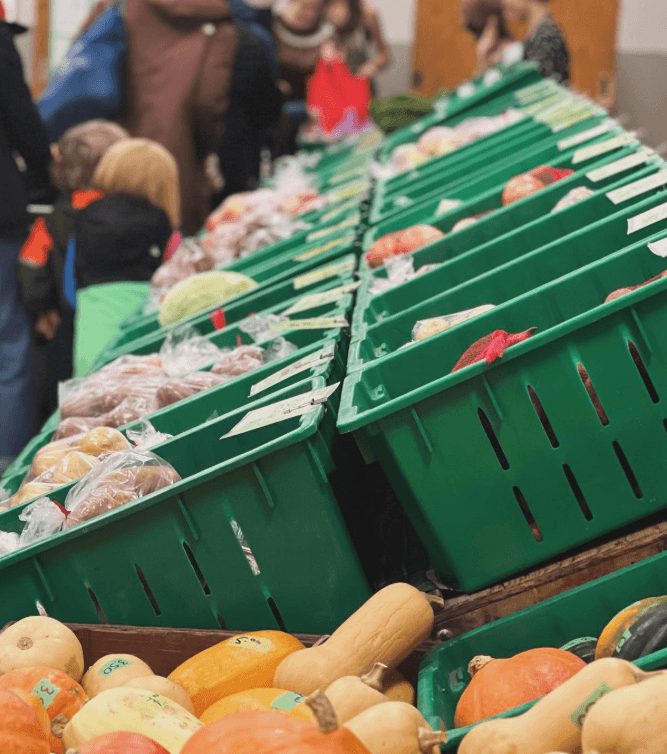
column 474, row 302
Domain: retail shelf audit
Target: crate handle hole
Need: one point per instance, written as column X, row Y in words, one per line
column 578, row 494
column 98, row 608
column 148, row 590
column 542, row 416
column 195, row 567
column 593, row 395
column 643, row 372
column 493, row 439
column 276, row 613
column 221, row 622
column 528, row 514
column 627, row 470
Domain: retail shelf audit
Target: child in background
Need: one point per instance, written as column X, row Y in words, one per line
column 119, row 241
column 41, row 264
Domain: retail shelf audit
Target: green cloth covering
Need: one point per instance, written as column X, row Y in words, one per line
column 396, row 112
column 100, row 311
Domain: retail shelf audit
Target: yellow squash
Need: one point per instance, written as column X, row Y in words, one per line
column 237, row 664
column 164, row 687
column 385, row 629
column 111, row 671
column 135, row 711
column 263, row 700
column 397, row 688
column 351, row 695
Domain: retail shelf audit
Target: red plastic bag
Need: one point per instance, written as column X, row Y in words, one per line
column 491, row 347
column 333, row 91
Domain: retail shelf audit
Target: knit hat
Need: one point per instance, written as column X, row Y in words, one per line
column 3, row 15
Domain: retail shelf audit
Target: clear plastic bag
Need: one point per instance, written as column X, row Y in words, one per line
column 189, row 259
column 257, row 327
column 9, row 543
column 43, row 519
column 145, row 436
column 77, row 425
column 399, row 270
column 120, row 479
column 69, row 468
column 29, row 491
column 185, row 350
column 427, row 327
column 98, row 442
column 278, row 349
column 180, row 388
column 447, row 205
column 239, row 361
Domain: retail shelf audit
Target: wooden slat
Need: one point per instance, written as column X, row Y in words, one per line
column 39, row 78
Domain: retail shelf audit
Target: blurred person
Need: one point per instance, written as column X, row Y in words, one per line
column 544, row 43
column 119, row 241
column 47, row 295
column 494, row 43
column 21, row 133
column 180, row 59
column 358, row 37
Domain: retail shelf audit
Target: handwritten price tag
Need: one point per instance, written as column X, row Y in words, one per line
column 314, row 300
column 340, row 195
column 596, row 150
column 338, row 211
column 584, row 136
column 256, row 643
column 279, row 412
column 324, row 273
column 302, row 365
column 315, row 323
column 152, row 705
column 622, row 194
column 317, row 251
column 113, row 665
column 46, row 692
column 646, row 219
column 619, row 166
column 348, row 222
column 287, row 701
column 659, row 248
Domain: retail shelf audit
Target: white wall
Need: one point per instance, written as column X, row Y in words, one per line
column 398, row 21
column 642, row 26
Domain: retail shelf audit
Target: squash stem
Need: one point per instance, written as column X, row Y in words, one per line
column 477, row 663
column 375, row 676
column 325, row 714
column 428, row 739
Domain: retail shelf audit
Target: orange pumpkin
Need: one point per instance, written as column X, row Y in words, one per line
column 271, row 732
column 635, row 631
column 37, row 707
column 20, row 730
column 501, row 685
column 61, row 696
column 121, row 742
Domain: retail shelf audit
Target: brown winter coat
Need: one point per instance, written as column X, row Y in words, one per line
column 180, row 59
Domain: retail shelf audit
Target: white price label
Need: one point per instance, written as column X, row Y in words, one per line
column 324, row 273
column 314, row 323
column 596, row 150
column 302, row 365
column 314, row 300
column 348, row 222
column 646, row 219
column 622, row 194
column 465, row 90
column 278, row 412
column 584, row 136
column 659, row 248
column 491, row 77
column 317, row 251
column 619, row 166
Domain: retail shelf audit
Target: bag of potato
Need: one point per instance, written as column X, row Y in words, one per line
column 98, row 442
column 120, row 479
column 43, row 518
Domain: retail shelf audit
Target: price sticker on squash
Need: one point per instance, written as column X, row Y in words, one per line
column 579, row 714
column 46, row 692
column 288, row 701
column 256, row 644
column 112, row 666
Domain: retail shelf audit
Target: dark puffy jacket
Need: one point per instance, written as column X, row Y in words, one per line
column 119, row 238
column 22, row 132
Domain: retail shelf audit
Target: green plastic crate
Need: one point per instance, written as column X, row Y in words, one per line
column 498, row 271
column 152, row 342
column 583, row 611
column 199, row 408
column 173, row 559
column 454, row 105
column 487, row 176
column 491, row 488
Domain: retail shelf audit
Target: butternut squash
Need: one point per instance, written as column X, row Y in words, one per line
column 385, row 629
column 261, row 700
column 164, row 687
column 397, row 688
column 395, row 728
column 112, row 671
column 236, row 664
column 554, row 723
column 134, row 711
column 629, row 721
column 39, row 640
column 351, row 695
